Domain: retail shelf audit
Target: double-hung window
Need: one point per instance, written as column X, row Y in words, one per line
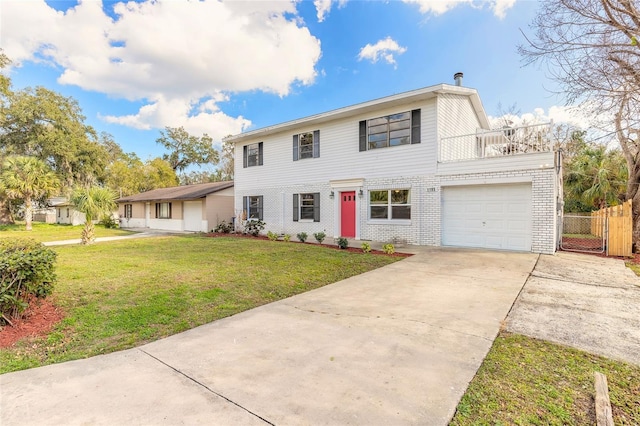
column 306, row 207
column 306, row 145
column 163, row 210
column 252, row 155
column 253, row 207
column 391, row 204
column 128, row 211
column 391, row 130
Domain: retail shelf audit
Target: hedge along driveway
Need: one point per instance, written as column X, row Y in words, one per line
column 125, row 293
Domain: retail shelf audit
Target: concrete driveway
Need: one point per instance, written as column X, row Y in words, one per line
column 587, row 302
column 397, row 345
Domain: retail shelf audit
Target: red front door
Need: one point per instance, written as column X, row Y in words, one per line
column 348, row 214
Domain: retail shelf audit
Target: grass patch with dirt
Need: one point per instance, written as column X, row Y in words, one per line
column 525, row 381
column 122, row 294
column 44, row 232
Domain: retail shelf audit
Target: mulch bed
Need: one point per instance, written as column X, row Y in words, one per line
column 331, row 246
column 37, row 320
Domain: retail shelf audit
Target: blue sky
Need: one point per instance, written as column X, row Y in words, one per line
column 227, row 67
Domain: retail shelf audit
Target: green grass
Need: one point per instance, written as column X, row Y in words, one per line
column 583, row 236
column 121, row 294
column 44, row 232
column 634, row 267
column 525, row 381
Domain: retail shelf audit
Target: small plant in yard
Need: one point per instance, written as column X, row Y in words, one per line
column 286, row 238
column 272, row 236
column 302, row 237
column 342, row 242
column 366, row 247
column 109, row 222
column 253, row 227
column 223, row 228
column 319, row 236
column 388, row 248
column 26, row 271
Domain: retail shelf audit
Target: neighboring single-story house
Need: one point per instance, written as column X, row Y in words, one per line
column 66, row 212
column 421, row 167
column 200, row 207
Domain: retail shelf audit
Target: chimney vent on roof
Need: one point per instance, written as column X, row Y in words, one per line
column 457, row 77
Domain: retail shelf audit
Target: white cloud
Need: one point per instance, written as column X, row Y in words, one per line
column 439, row 7
column 384, row 49
column 323, row 7
column 173, row 54
column 559, row 114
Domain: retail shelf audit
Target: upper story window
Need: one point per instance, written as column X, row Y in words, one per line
column 391, row 130
column 163, row 210
column 253, row 207
column 252, row 155
column 128, row 211
column 306, row 207
column 392, row 204
column 306, row 145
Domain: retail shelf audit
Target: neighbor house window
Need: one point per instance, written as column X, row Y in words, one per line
column 163, row 210
column 391, row 130
column 306, row 207
column 390, row 204
column 67, row 212
column 306, row 145
column 59, row 212
column 252, row 155
column 128, row 211
column 253, row 206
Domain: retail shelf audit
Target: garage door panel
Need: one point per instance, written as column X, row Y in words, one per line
column 490, row 216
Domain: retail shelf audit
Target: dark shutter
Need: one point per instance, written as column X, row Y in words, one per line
column 296, row 208
column 316, row 143
column 295, row 147
column 260, row 155
column 260, row 202
column 244, row 156
column 316, row 207
column 415, row 126
column 363, row 135
column 245, row 206
column 156, row 210
column 169, row 210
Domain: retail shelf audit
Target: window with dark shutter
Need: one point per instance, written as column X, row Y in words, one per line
column 415, row 126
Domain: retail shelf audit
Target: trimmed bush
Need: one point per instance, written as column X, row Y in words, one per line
column 272, row 236
column 342, row 242
column 302, row 237
column 366, row 247
column 223, row 228
column 253, row 227
column 388, row 248
column 319, row 236
column 26, row 271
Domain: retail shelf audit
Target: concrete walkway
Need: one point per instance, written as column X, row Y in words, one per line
column 394, row 346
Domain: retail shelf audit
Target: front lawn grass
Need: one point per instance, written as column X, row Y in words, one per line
column 44, row 232
column 122, row 294
column 525, row 381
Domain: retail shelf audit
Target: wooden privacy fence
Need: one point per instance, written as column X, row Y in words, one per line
column 617, row 222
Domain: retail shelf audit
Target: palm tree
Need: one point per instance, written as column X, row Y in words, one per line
column 27, row 179
column 95, row 202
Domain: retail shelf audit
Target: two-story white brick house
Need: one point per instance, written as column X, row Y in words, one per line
column 420, row 167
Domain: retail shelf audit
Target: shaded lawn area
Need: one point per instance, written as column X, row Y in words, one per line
column 44, row 232
column 525, row 381
column 122, row 294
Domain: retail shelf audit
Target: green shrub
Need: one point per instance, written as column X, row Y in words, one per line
column 26, row 271
column 342, row 242
column 302, row 237
column 286, row 238
column 253, row 227
column 366, row 247
column 319, row 236
column 223, row 228
column 388, row 248
column 109, row 222
column 272, row 236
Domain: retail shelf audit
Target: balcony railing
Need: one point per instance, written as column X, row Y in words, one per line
column 503, row 142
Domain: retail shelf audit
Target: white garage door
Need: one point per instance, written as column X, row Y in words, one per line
column 488, row 216
column 193, row 216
